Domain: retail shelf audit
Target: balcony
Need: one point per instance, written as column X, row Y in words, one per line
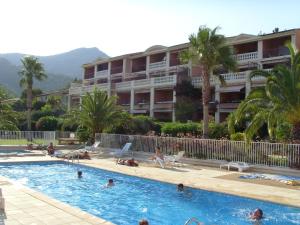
column 102, row 74
column 90, row 88
column 246, row 56
column 147, row 83
column 231, row 105
column 75, row 89
column 157, row 65
column 142, row 106
column 164, row 106
column 276, row 52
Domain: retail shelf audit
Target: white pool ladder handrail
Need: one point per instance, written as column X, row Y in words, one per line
column 193, row 220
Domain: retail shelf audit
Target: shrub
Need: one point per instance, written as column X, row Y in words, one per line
column 143, row 124
column 47, row 123
column 217, row 131
column 283, row 131
column 237, row 137
column 177, row 128
column 83, row 134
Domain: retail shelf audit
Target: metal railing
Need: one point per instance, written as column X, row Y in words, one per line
column 258, row 153
column 24, row 137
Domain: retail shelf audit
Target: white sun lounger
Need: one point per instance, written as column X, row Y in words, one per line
column 241, row 166
column 91, row 148
column 174, row 158
column 123, row 151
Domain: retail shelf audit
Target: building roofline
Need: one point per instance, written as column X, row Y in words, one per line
column 232, row 40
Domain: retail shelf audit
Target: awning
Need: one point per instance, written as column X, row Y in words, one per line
column 232, row 88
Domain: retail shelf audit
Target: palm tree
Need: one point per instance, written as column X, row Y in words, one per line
column 32, row 69
column 98, row 111
column 208, row 49
column 278, row 100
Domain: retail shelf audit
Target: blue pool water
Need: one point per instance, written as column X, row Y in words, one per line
column 133, row 198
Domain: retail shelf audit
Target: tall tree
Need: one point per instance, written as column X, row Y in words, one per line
column 32, row 69
column 209, row 50
column 278, row 100
column 98, row 111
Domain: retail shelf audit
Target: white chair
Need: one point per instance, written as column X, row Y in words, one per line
column 121, row 152
column 174, row 158
column 241, row 166
column 91, row 148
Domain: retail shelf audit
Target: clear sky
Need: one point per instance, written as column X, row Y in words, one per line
column 45, row 27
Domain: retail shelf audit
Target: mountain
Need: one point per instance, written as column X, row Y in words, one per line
column 61, row 68
column 9, row 78
column 68, row 63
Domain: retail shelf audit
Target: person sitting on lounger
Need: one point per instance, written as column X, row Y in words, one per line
column 257, row 214
column 110, row 183
column 50, row 149
column 157, row 154
column 129, row 162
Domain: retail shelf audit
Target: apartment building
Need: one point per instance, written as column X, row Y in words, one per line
column 145, row 82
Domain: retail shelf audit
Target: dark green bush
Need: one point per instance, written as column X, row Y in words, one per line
column 283, row 132
column 237, row 136
column 176, row 128
column 217, row 131
column 83, row 134
column 47, row 123
column 143, row 124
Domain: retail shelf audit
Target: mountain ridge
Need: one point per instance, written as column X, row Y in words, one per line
column 61, row 68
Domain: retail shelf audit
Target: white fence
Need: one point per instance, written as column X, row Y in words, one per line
column 259, row 153
column 24, row 137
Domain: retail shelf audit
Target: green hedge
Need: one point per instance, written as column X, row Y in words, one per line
column 176, row 128
column 47, row 123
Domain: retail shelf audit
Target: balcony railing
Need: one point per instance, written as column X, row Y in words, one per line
column 147, row 83
column 102, row 74
column 246, row 56
column 234, row 76
column 157, row 65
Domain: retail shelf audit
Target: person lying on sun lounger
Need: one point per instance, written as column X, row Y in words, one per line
column 129, row 162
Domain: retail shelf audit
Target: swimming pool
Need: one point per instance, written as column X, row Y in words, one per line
column 133, row 198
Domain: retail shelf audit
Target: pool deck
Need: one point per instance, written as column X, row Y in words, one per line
column 29, row 207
